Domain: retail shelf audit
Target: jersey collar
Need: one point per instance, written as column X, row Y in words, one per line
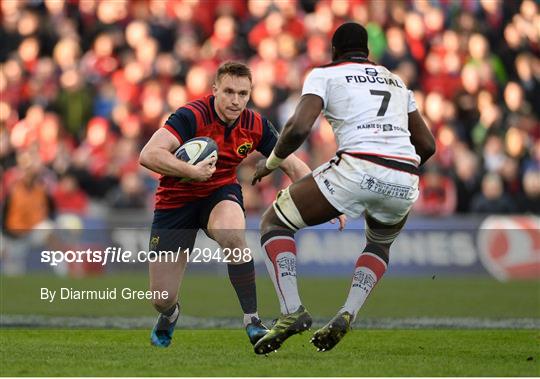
column 350, row 59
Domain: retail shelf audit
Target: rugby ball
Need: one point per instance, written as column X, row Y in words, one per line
column 197, row 149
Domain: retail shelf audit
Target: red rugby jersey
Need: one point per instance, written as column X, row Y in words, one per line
column 199, row 119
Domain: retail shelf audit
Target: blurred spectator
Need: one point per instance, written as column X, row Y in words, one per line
column 437, row 194
column 490, row 120
column 99, row 62
column 511, row 177
column 129, row 195
column 528, row 80
column 396, row 51
column 531, row 186
column 28, row 201
column 415, row 32
column 493, row 153
column 514, row 98
column 74, row 102
column 490, row 65
column 27, row 207
column 68, row 197
column 467, row 180
column 493, row 199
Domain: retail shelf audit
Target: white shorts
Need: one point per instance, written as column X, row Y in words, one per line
column 354, row 186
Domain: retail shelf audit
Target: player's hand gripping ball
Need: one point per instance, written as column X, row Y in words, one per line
column 196, row 150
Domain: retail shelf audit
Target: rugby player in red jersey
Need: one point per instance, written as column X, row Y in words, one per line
column 212, row 200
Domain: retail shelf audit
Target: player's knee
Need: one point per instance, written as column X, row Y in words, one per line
column 229, row 238
column 232, row 241
column 269, row 221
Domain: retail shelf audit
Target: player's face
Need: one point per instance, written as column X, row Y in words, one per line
column 231, row 96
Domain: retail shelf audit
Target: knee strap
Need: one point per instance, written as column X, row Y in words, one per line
column 287, row 212
column 380, row 233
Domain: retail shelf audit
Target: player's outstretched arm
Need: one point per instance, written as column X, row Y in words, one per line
column 421, row 137
column 157, row 156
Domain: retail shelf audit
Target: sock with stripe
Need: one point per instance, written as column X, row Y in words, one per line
column 242, row 278
column 279, row 253
column 370, row 267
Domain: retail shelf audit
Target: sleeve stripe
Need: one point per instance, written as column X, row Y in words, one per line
column 205, row 110
column 200, row 109
column 174, row 132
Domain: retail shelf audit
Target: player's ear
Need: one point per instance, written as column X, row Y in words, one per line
column 214, row 89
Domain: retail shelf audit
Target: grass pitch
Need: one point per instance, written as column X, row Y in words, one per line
column 228, row 353
column 213, row 296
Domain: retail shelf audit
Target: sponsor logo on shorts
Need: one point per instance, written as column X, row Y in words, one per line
column 387, row 189
column 287, row 266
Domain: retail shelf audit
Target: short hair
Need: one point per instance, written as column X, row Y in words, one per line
column 350, row 37
column 233, row 69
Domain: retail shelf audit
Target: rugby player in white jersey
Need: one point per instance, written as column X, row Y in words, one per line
column 382, row 140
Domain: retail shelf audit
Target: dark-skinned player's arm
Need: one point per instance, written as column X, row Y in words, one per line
column 294, row 133
column 157, row 156
column 421, row 137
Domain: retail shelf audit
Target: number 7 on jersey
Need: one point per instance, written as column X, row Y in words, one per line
column 386, row 99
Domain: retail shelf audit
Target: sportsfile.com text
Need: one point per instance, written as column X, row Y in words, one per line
column 119, row 255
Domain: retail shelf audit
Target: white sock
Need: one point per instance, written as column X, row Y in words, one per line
column 280, row 258
column 368, row 271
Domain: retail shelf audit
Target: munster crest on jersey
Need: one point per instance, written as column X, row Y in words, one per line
column 244, row 149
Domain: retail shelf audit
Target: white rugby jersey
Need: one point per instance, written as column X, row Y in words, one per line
column 367, row 106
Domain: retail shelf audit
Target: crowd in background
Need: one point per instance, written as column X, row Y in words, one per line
column 84, row 84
